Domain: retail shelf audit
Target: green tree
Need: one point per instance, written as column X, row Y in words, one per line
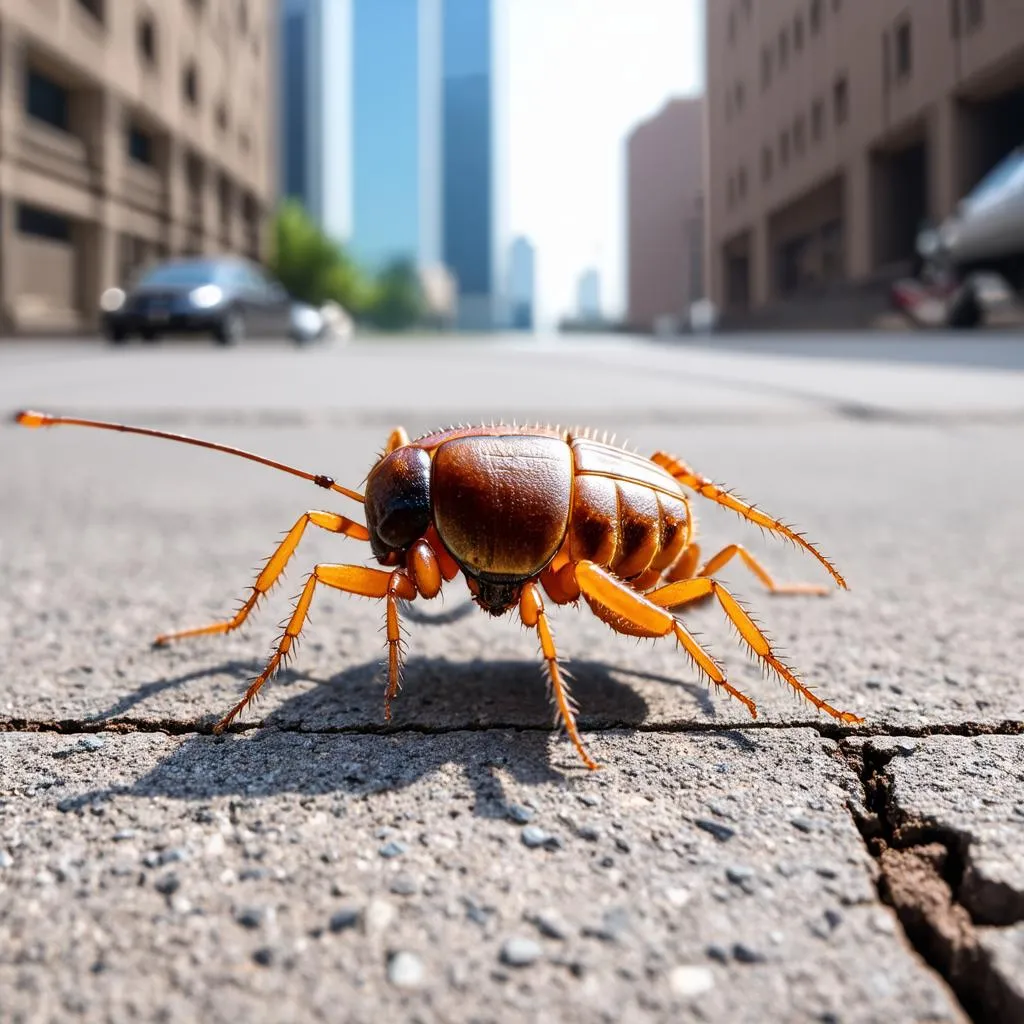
column 397, row 303
column 313, row 267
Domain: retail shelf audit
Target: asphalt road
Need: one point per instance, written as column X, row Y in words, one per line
column 460, row 864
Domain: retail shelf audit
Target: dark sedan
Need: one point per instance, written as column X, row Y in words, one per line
column 226, row 297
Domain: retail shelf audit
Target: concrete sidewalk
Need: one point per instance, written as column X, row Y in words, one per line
column 461, row 865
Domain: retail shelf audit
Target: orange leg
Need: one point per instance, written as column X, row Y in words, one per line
column 398, row 438
column 353, row 579
column 531, row 611
column 273, row 569
column 715, row 492
column 634, row 614
column 686, row 568
column 672, row 595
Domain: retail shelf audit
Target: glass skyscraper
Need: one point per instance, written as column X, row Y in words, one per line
column 415, row 90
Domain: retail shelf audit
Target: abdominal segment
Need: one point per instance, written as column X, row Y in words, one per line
column 626, row 526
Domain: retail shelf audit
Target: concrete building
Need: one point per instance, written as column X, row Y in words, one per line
column 664, row 213
column 522, row 287
column 836, row 126
column 588, row 296
column 128, row 131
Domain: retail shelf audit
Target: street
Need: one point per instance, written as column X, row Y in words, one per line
column 459, row 863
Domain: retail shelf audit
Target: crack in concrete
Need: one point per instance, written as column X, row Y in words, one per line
column 183, row 727
column 925, row 876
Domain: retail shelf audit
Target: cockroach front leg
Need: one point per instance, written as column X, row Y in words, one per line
column 272, row 571
column 352, row 579
column 674, row 595
column 531, row 612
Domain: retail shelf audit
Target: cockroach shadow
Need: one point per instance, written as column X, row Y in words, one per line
column 487, row 718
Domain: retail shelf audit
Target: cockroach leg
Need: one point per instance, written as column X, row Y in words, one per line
column 272, row 571
column 633, row 614
column 398, row 438
column 400, row 588
column 352, row 579
column 673, row 595
column 685, row 569
column 715, row 492
column 532, row 614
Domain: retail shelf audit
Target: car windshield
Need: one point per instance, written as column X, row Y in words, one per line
column 1001, row 175
column 182, row 275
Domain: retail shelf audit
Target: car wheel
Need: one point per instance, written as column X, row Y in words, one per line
column 117, row 335
column 231, row 329
column 149, row 335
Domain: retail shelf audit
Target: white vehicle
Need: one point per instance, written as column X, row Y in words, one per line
column 984, row 236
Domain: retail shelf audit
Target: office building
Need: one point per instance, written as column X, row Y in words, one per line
column 128, row 132
column 664, row 214
column 474, row 159
column 315, row 110
column 522, row 285
column 836, row 126
column 409, row 95
column 588, row 296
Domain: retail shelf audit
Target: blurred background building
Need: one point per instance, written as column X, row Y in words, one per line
column 395, row 115
column 522, row 285
column 128, row 131
column 588, row 296
column 836, row 126
column 664, row 215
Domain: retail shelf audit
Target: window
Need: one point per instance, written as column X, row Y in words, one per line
column 732, row 27
column 190, row 83
column 783, row 50
column 43, row 224
column 48, row 101
column 94, row 7
column 741, row 183
column 741, row 95
column 731, row 192
column 974, row 14
column 245, row 141
column 147, row 38
column 766, row 163
column 222, row 116
column 841, row 100
column 799, row 135
column 728, row 105
column 140, row 146
column 904, row 54
column 817, row 120
column 243, row 17
column 766, row 67
column 815, row 17
column 798, row 33
column 784, row 148
column 748, row 8
column 837, row 6
column 954, row 18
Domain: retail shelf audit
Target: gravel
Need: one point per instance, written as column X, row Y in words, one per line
column 405, row 970
column 520, row 952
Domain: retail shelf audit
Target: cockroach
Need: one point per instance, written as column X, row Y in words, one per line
column 521, row 512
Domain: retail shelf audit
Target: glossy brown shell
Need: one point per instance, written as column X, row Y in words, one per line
column 507, row 499
column 501, row 502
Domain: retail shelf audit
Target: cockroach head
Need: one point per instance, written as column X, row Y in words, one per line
column 397, row 502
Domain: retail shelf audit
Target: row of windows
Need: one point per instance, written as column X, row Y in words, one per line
column 793, row 140
column 815, row 16
column 49, row 101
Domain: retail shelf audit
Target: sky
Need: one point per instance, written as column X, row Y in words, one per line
column 582, row 74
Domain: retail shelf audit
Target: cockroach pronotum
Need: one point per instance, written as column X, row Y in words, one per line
column 521, row 511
